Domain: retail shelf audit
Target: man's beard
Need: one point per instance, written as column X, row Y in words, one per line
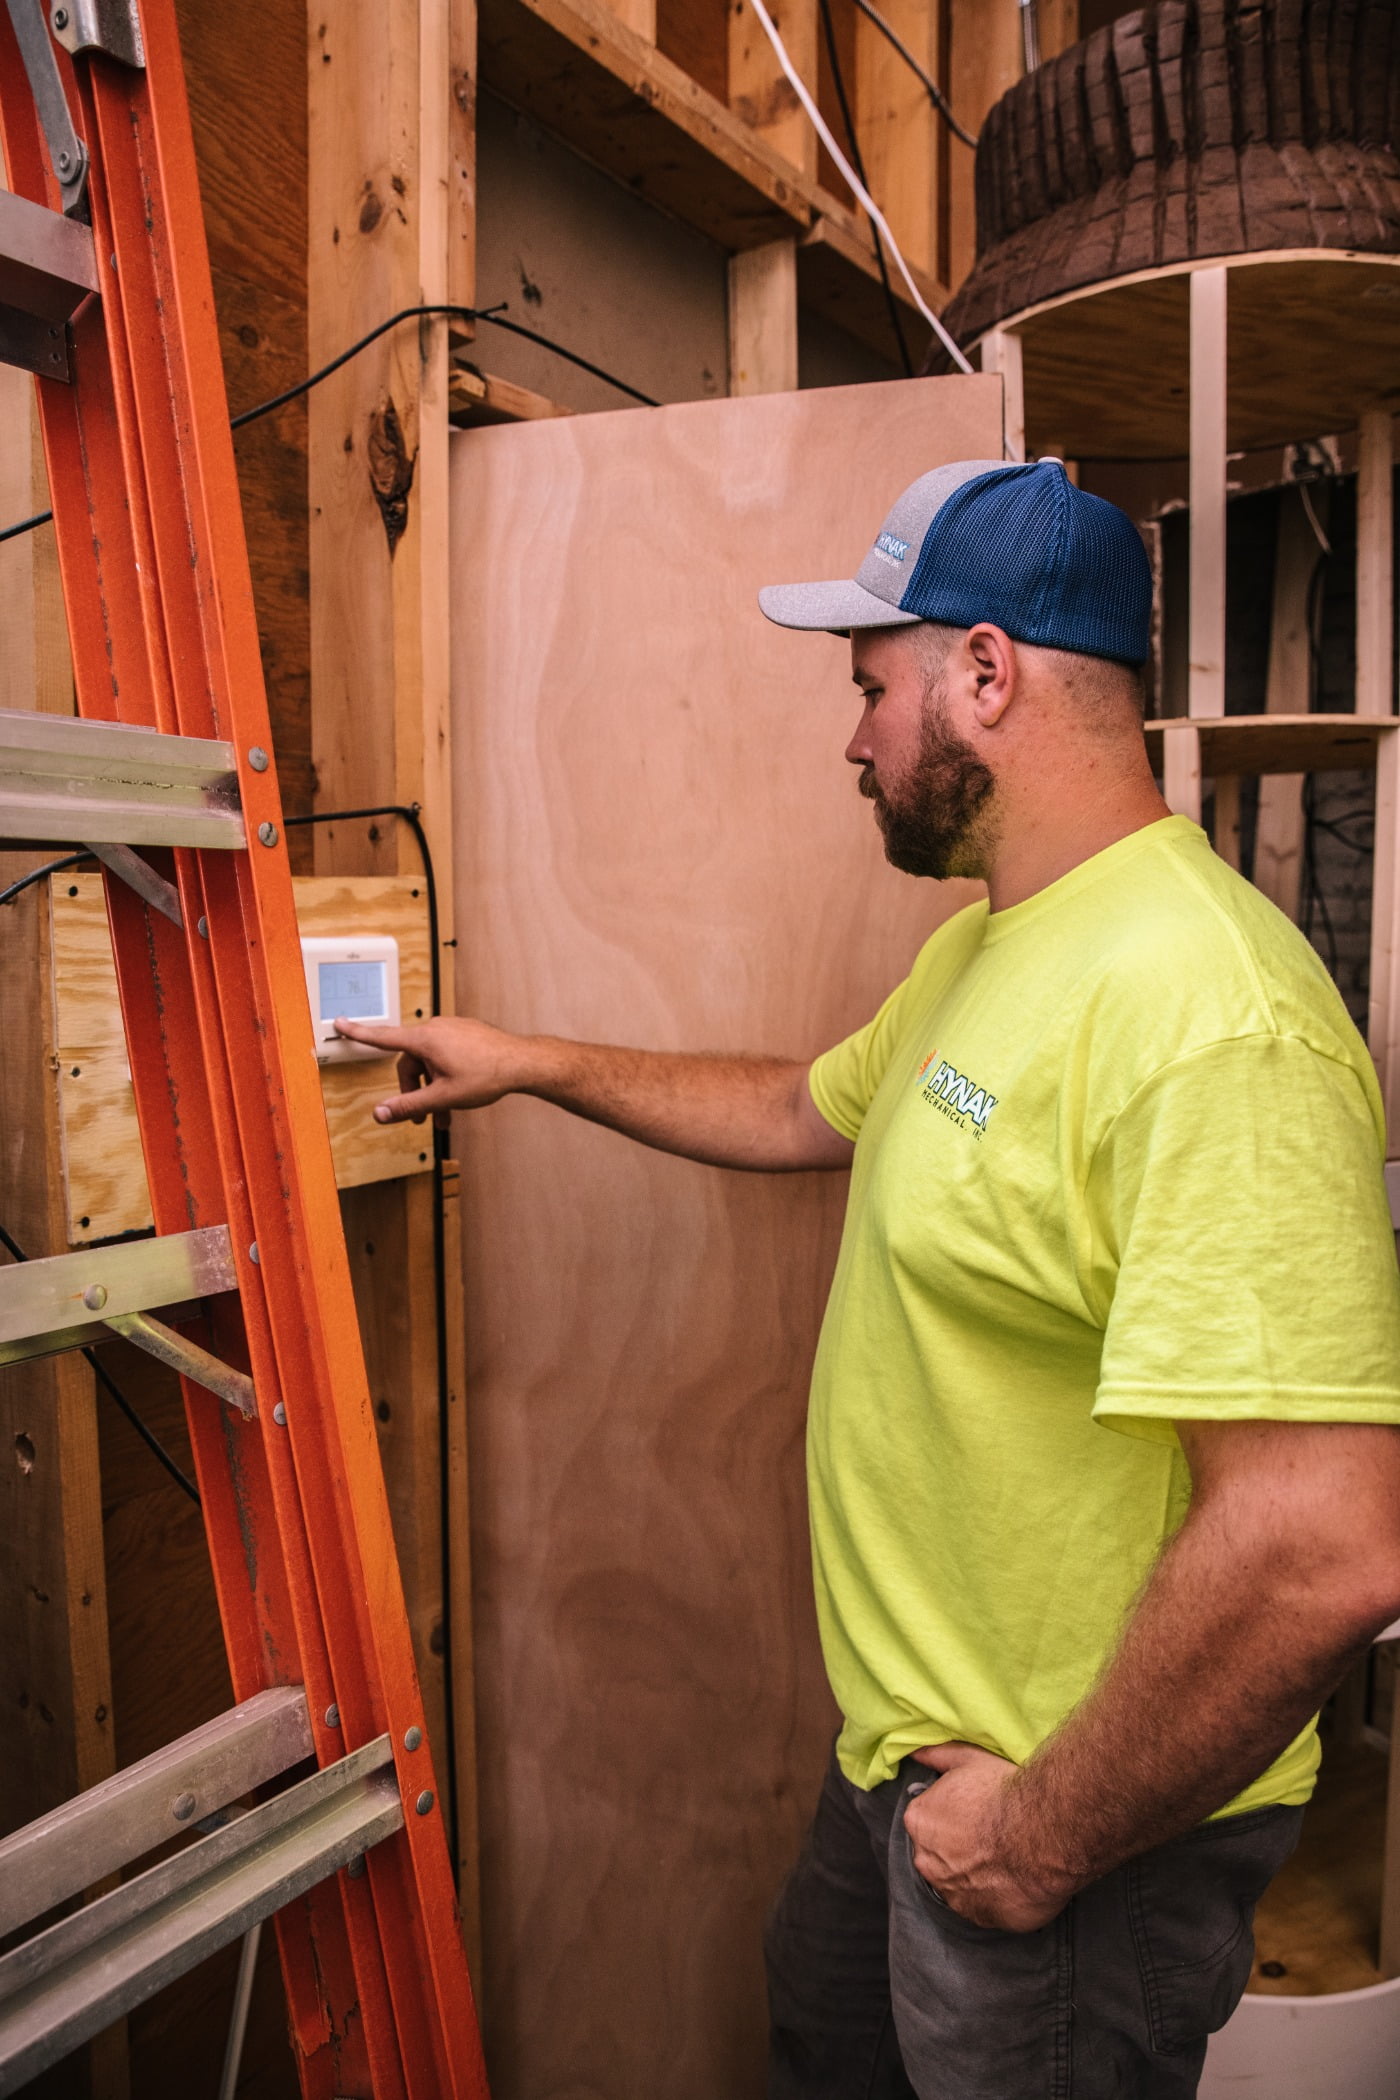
column 929, row 818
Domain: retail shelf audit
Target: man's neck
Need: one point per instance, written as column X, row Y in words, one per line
column 1037, row 845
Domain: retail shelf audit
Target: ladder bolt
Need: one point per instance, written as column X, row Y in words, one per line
column 202, row 927
column 258, row 759
column 95, row 1297
column 183, row 1807
column 332, row 1717
column 424, row 1802
column 267, row 834
column 413, row 1738
column 279, row 1415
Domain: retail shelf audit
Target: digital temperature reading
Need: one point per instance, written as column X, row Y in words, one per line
column 354, row 979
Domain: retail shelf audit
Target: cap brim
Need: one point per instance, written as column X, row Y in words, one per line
column 831, row 608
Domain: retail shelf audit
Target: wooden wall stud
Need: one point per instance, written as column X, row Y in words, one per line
column 763, row 319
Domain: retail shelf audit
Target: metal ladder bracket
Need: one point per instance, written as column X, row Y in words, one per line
column 68, row 1300
column 67, row 153
column 112, row 27
column 48, row 266
column 139, row 875
column 71, row 782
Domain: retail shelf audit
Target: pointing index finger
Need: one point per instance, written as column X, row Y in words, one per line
column 379, row 1033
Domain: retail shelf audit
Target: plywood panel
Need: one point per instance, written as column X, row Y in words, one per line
column 658, row 843
column 104, row 1178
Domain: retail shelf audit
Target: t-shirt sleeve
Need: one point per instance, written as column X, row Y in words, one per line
column 842, row 1081
column 1242, row 1247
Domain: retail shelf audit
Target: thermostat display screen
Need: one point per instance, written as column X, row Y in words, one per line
column 352, row 990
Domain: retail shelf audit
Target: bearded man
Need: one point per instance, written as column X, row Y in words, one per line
column 1103, row 1461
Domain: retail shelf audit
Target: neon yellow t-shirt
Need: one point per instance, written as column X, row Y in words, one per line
column 1118, row 1164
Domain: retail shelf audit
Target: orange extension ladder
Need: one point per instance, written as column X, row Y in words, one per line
column 105, row 294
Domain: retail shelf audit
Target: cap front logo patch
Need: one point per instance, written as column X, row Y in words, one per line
column 888, row 544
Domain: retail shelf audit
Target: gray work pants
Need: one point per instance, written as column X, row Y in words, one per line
column 878, row 1991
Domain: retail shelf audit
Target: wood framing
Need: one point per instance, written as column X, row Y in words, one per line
column 390, row 100
column 760, row 93
column 900, row 133
column 763, row 319
column 56, row 1726
column 1206, row 673
column 1375, row 564
column 1001, row 353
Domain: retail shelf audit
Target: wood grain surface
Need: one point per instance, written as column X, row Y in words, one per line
column 658, row 843
column 104, row 1178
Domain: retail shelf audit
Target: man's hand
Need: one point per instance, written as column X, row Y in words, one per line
column 444, row 1063
column 963, row 1831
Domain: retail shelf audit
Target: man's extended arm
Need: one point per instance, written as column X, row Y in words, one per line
column 1287, row 1566
column 751, row 1112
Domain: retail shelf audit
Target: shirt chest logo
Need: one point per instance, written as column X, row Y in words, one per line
column 955, row 1095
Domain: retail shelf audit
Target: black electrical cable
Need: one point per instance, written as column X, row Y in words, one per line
column 491, row 314
column 934, row 92
column 838, row 81
column 410, row 814
column 147, row 1436
column 50, row 867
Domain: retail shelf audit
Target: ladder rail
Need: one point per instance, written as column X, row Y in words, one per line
column 142, row 472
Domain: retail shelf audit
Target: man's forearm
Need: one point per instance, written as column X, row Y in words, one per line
column 1226, row 1657
column 724, row 1111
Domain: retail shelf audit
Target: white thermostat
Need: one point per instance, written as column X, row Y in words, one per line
column 354, row 980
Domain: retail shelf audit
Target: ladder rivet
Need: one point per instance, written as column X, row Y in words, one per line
column 182, row 1807
column 267, row 834
column 95, row 1297
column 202, row 928
column 332, row 1717
column 356, row 1867
column 279, row 1415
column 65, row 160
column 258, row 759
column 413, row 1738
column 60, row 21
column 253, row 1252
column 424, row 1802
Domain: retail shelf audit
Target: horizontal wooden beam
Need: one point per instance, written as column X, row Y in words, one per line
column 576, row 69
column 1273, row 743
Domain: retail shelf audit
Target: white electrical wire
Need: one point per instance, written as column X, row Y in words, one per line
column 858, row 189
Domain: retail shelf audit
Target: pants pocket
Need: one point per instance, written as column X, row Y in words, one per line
column 1192, row 1909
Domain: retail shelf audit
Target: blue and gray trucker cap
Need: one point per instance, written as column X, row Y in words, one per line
column 1020, row 546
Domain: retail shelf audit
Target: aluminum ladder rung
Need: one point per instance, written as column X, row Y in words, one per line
column 128, row 1815
column 67, row 1300
column 67, row 781
column 66, row 1984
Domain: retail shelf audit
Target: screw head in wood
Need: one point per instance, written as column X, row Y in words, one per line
column 267, row 834
column 182, row 1807
column 258, row 759
column 95, row 1297
column 413, row 1738
column 279, row 1415
column 424, row 1803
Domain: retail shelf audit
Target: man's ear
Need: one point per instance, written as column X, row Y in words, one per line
column 992, row 655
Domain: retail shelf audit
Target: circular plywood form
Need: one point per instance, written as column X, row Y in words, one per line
column 1314, row 339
